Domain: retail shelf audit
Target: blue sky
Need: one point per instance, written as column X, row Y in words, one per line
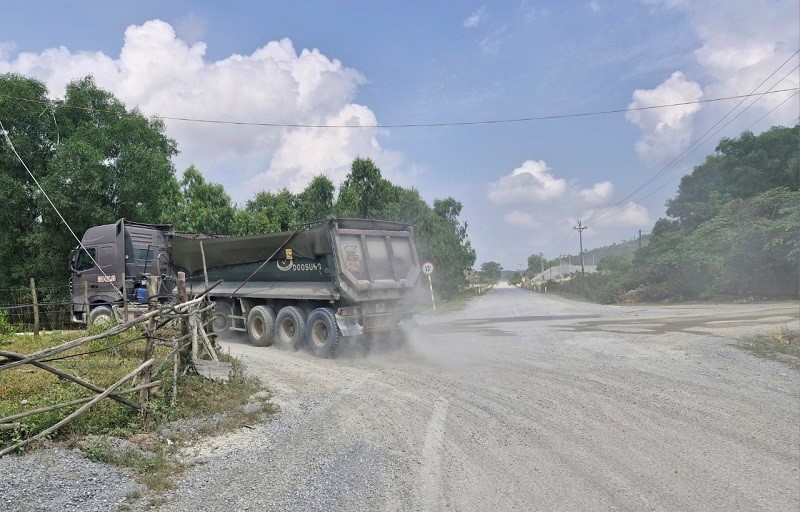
column 523, row 185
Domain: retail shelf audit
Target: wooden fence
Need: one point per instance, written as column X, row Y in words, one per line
column 188, row 348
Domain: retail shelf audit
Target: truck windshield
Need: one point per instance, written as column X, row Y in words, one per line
column 83, row 259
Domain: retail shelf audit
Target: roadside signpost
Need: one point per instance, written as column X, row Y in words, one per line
column 427, row 269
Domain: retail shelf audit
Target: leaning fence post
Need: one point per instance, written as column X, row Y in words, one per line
column 35, row 308
column 150, row 347
column 185, row 354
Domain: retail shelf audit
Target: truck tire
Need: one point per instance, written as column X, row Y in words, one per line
column 322, row 333
column 222, row 322
column 260, row 326
column 101, row 315
column 289, row 328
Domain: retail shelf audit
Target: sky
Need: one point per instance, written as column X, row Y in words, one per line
column 371, row 66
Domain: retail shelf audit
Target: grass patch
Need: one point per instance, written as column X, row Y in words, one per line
column 114, row 433
column 782, row 345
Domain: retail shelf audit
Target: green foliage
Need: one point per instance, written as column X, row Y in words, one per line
column 96, row 166
column 535, row 263
column 490, row 272
column 616, row 264
column 5, row 326
column 202, row 207
column 733, row 231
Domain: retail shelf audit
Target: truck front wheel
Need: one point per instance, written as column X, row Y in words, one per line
column 322, row 333
column 101, row 315
column 260, row 326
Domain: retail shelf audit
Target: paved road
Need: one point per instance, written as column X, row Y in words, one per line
column 523, row 401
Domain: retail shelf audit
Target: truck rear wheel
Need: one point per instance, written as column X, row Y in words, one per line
column 260, row 325
column 322, row 333
column 289, row 328
column 222, row 322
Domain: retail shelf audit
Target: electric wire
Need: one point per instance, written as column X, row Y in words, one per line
column 413, row 125
column 630, row 205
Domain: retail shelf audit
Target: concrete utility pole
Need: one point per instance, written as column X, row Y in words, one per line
column 580, row 229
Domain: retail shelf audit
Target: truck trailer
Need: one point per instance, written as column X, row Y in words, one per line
column 317, row 284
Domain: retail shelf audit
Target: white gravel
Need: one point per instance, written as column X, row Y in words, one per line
column 521, row 401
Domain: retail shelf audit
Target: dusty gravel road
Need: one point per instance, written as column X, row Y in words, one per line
column 523, row 401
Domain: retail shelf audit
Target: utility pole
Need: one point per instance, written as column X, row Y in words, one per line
column 580, row 229
column 541, row 260
column 640, row 239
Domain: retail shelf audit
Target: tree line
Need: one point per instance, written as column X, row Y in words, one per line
column 732, row 230
column 98, row 161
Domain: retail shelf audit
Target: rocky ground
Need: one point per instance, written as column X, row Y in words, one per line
column 520, row 401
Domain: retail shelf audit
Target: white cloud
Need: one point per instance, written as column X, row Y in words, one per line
column 164, row 75
column 6, row 47
column 594, row 5
column 520, row 219
column 598, row 194
column 537, row 200
column 475, row 18
column 533, row 181
column 665, row 131
column 742, row 43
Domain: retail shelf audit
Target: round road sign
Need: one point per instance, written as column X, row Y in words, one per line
column 427, row 268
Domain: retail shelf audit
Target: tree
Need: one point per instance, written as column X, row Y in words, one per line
column 614, row 263
column 536, row 263
column 279, row 209
column 364, row 193
column 490, row 272
column 96, row 160
column 735, row 223
column 202, row 207
column 316, row 201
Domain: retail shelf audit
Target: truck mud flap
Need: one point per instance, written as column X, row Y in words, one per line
column 349, row 326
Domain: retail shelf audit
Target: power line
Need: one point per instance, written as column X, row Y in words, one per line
column 676, row 177
column 416, row 125
column 606, row 212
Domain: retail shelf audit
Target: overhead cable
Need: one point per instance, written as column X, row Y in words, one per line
column 415, row 125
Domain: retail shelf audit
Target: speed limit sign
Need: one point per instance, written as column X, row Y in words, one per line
column 427, row 268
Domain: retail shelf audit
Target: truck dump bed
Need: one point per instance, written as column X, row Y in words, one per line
column 357, row 259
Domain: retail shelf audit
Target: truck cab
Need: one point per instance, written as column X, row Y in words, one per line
column 113, row 259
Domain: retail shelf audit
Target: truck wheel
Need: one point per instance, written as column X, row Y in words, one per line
column 289, row 328
column 222, row 322
column 260, row 325
column 322, row 333
column 101, row 315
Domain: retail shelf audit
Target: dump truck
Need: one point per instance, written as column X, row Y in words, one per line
column 320, row 283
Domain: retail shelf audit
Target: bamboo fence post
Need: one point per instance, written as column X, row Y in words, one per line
column 80, row 411
column 35, row 309
column 185, row 356
column 150, row 347
column 205, row 270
